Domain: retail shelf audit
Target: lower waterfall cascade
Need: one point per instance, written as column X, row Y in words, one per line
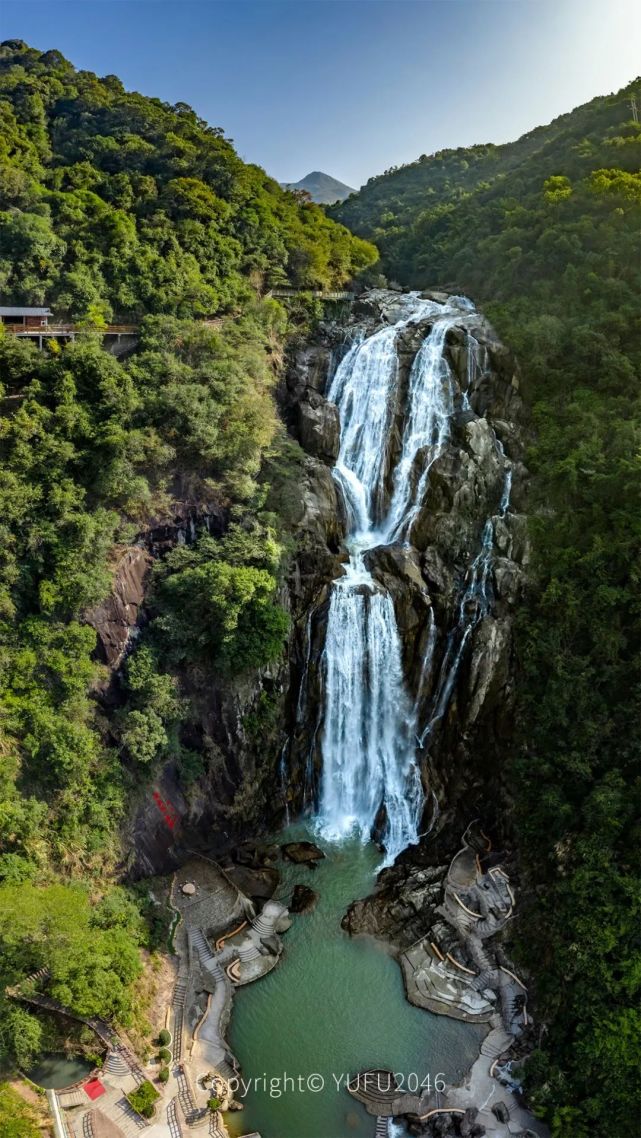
column 369, row 731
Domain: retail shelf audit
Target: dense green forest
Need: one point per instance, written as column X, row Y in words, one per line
column 545, row 234
column 119, row 207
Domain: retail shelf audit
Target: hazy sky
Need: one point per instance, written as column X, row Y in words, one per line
column 350, row 87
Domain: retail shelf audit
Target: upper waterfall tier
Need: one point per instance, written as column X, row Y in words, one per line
column 365, row 388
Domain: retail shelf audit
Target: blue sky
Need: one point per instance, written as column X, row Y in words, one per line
column 351, row 87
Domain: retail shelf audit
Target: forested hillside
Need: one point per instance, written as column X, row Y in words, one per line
column 119, row 207
column 545, row 234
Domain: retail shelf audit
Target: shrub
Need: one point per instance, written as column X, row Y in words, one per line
column 165, row 1055
column 163, row 1075
column 164, row 1037
column 213, row 1103
column 143, row 1099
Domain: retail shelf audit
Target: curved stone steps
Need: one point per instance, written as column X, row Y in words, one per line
column 496, row 1043
column 217, row 1127
column 115, row 1064
column 130, row 1061
column 225, row 1070
column 248, row 951
column 264, row 926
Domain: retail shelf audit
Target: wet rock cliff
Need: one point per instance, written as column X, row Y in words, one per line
column 469, row 529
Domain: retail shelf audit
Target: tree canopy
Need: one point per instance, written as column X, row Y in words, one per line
column 117, row 207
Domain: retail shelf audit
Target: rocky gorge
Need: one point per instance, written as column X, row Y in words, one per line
column 461, row 747
column 426, row 575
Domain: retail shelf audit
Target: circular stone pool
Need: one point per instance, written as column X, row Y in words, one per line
column 334, row 1006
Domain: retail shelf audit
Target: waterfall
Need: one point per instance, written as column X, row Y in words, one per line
column 427, row 426
column 368, row 737
column 283, row 778
column 368, row 741
column 369, row 723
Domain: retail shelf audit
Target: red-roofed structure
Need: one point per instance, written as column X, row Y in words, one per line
column 93, row 1089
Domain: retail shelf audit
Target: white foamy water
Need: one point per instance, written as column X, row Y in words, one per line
column 369, row 729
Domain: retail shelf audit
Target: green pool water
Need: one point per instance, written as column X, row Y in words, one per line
column 334, row 1005
column 55, row 1071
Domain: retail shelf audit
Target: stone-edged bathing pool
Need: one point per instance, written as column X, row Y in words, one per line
column 332, row 1007
column 56, row 1071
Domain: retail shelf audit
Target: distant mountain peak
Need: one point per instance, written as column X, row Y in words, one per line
column 321, row 187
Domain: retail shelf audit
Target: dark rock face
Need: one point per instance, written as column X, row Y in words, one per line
column 302, row 853
column 318, row 426
column 407, row 896
column 462, row 756
column 116, row 619
column 260, row 882
column 303, row 899
column 447, row 1125
column 500, row 1111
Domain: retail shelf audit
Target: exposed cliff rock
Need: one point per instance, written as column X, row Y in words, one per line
column 116, row 619
column 236, row 726
column 318, row 426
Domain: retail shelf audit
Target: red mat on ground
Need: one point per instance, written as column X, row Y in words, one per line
column 94, row 1089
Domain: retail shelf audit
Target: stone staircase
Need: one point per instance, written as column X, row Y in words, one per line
column 495, row 1043
column 37, row 977
column 217, row 1128
column 131, row 1062
column 199, row 945
column 264, row 926
column 74, row 1097
column 267, row 920
column 178, row 1006
column 193, row 1114
column 173, row 1123
column 116, row 1064
column 248, row 950
column 382, row 1127
column 115, row 1107
column 226, row 1070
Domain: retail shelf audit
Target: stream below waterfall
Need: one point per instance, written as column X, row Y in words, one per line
column 334, row 1005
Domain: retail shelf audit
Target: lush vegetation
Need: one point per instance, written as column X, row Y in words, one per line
column 117, row 204
column 91, row 952
column 143, row 1099
column 545, row 234
column 115, row 207
column 17, row 1118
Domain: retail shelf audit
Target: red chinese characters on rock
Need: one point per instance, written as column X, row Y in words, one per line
column 166, row 809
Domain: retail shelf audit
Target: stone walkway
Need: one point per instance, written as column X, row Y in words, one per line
column 462, row 977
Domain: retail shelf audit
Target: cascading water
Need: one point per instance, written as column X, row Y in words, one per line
column 368, row 741
column 369, row 727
